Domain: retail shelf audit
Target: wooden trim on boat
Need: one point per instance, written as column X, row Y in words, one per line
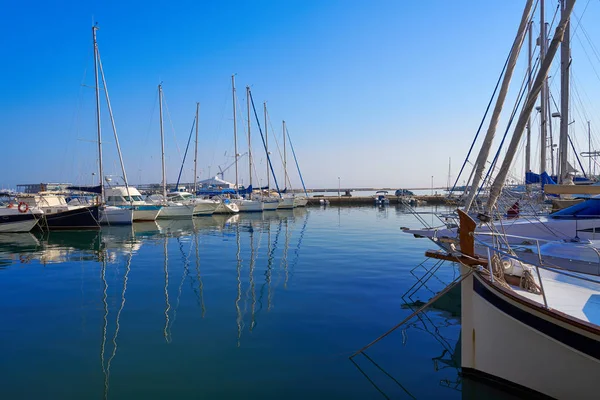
column 571, row 189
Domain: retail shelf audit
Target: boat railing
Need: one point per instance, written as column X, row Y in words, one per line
column 491, row 249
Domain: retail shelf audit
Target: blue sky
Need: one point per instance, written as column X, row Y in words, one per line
column 378, row 93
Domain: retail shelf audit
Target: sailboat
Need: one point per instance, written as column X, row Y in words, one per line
column 109, row 214
column 244, row 204
column 201, row 206
column 170, row 209
column 528, row 325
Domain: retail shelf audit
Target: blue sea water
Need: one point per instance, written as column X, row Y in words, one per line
column 255, row 306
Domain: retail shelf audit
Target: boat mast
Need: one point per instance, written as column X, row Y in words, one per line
column 565, row 61
column 589, row 150
column 234, row 131
column 162, row 143
column 112, row 120
column 545, row 65
column 267, row 146
column 285, row 174
column 544, row 93
column 528, row 141
column 249, row 141
column 100, row 170
column 480, row 164
column 196, row 149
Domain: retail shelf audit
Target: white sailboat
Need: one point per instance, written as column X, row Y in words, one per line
column 170, row 209
column 108, row 214
column 534, row 328
column 244, row 204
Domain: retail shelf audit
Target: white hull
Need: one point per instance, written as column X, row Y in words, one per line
column 249, row 205
column 505, row 336
column 146, row 215
column 205, row 207
column 19, row 226
column 301, row 201
column 176, row 211
column 116, row 216
column 227, row 207
column 287, row 203
column 270, row 205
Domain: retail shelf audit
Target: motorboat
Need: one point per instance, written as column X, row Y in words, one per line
column 58, row 214
column 381, row 198
column 201, row 206
column 130, row 197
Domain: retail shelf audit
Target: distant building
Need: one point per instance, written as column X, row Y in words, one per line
column 215, row 182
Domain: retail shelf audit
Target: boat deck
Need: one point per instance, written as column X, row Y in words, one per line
column 575, row 297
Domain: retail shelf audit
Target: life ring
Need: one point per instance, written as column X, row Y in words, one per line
column 23, row 207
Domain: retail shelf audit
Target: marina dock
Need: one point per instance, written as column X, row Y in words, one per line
column 369, row 200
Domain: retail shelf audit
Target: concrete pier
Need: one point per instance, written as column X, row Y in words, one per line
column 369, row 200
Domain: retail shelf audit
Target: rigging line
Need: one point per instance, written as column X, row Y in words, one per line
column 276, row 141
column 588, row 57
column 481, row 123
column 592, row 46
column 172, row 126
column 296, row 160
column 522, row 93
column 580, row 18
column 577, row 156
column 264, row 143
column 185, row 154
column 148, row 130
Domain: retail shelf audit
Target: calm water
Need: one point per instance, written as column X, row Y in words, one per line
column 259, row 306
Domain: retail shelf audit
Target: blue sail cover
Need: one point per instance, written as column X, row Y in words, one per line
column 588, row 209
column 88, row 189
column 531, row 178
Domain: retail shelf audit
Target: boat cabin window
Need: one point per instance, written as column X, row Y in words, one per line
column 586, row 210
column 115, row 199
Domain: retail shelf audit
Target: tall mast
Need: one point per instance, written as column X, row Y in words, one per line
column 528, row 141
column 543, row 95
column 565, row 61
column 100, row 170
column 162, row 143
column 480, row 164
column 196, row 149
column 538, row 83
column 249, row 141
column 590, row 150
column 267, row 146
column 234, row 131
column 285, row 175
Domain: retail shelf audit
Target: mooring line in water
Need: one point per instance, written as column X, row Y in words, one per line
column 419, row 310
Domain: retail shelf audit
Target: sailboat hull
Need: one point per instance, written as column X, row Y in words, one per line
column 249, row 205
column 78, row 218
column 302, row 201
column 507, row 339
column 176, row 211
column 205, row 207
column 146, row 212
column 287, row 203
column 270, row 205
column 14, row 221
column 116, row 216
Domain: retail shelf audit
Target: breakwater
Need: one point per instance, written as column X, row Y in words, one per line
column 369, row 200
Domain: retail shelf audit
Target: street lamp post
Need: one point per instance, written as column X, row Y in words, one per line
column 432, row 185
column 339, row 187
